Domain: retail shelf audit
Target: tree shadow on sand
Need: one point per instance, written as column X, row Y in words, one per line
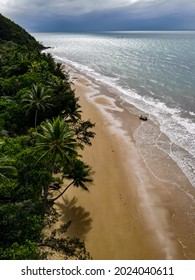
column 80, row 219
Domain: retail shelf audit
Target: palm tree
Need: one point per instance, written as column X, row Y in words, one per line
column 50, row 60
column 59, row 70
column 72, row 111
column 36, row 99
column 6, row 169
column 79, row 172
column 57, row 141
column 59, row 86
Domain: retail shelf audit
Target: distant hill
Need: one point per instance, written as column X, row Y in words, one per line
column 10, row 31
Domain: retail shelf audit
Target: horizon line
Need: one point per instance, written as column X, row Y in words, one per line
column 136, row 30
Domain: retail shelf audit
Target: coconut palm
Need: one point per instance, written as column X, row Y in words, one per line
column 57, row 141
column 50, row 60
column 6, row 168
column 60, row 70
column 72, row 112
column 59, row 86
column 79, row 172
column 37, row 99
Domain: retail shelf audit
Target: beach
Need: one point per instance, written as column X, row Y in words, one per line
column 128, row 213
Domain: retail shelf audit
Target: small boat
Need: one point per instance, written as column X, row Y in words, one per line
column 143, row 118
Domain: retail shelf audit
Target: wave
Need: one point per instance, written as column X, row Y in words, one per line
column 192, row 113
column 180, row 130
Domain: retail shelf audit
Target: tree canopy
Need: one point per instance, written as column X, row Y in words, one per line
column 41, row 132
column 10, row 31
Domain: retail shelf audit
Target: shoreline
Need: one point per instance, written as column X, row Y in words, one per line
column 128, row 213
column 135, row 219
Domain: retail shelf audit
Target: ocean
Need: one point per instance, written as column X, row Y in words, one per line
column 155, row 72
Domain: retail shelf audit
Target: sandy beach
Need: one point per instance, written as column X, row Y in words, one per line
column 127, row 213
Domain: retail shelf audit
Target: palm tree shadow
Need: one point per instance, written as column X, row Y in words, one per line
column 80, row 219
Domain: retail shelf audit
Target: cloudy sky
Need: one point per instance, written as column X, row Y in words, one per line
column 99, row 15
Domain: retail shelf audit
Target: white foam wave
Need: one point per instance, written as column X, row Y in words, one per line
column 192, row 113
column 181, row 131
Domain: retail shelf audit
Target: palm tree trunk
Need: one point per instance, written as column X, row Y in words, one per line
column 53, row 199
column 36, row 113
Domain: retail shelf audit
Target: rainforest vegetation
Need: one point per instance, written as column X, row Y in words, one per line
column 41, row 136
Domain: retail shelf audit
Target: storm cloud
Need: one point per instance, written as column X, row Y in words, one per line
column 93, row 15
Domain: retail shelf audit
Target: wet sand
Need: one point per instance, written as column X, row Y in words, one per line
column 127, row 213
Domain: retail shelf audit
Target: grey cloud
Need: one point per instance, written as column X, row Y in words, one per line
column 101, row 14
column 62, row 6
column 76, row 7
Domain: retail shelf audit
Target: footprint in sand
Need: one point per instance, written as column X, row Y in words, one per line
column 121, row 197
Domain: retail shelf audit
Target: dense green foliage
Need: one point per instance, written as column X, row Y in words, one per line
column 9, row 31
column 41, row 132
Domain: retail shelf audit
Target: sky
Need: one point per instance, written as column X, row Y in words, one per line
column 100, row 15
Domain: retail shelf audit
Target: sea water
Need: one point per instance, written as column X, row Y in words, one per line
column 155, row 72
